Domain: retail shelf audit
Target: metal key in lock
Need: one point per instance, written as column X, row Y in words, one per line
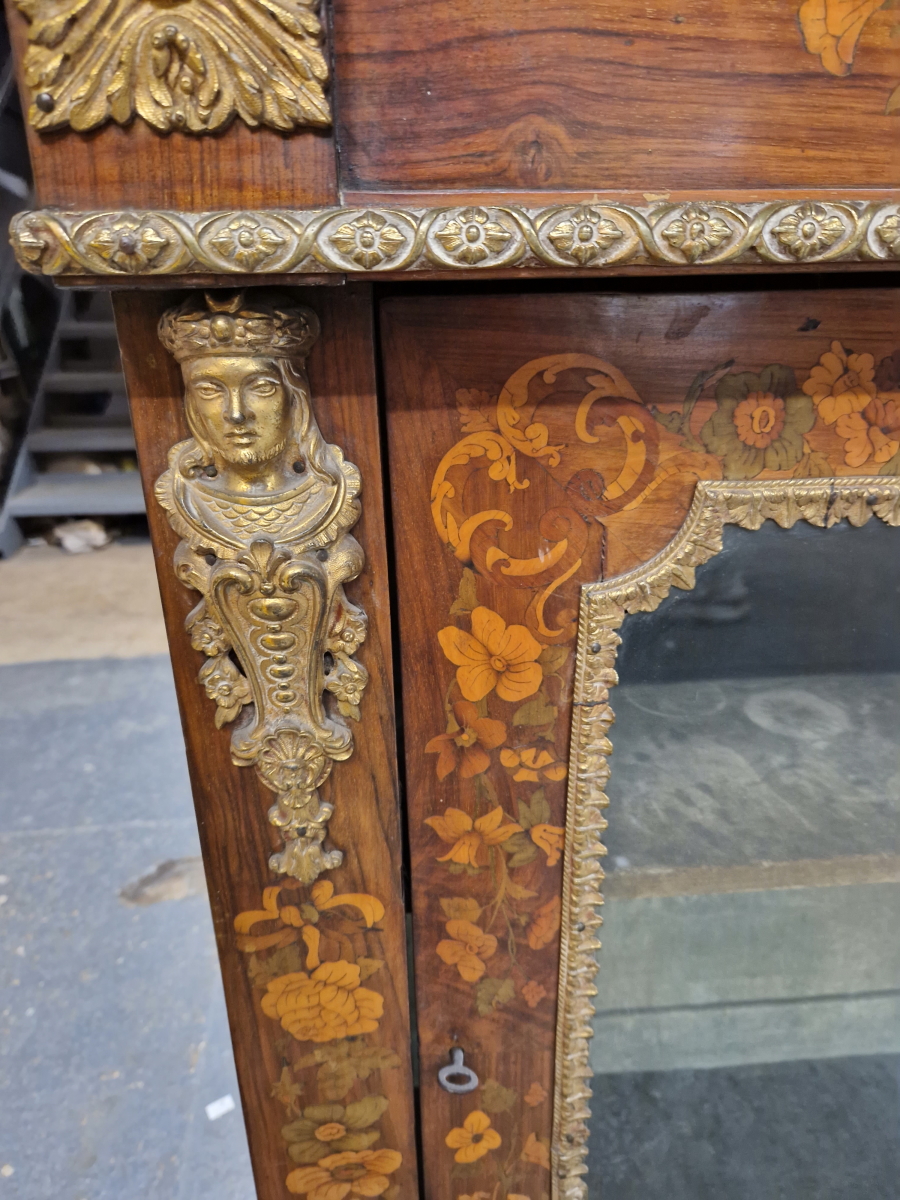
column 459, row 1071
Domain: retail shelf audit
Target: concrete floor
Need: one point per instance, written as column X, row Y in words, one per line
column 113, row 1035
column 55, row 605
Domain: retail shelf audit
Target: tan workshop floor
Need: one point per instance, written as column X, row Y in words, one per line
column 55, row 605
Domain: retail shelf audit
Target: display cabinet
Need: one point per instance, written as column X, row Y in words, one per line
column 494, row 370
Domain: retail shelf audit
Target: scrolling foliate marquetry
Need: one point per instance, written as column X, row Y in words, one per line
column 565, row 474
column 264, row 505
column 189, row 65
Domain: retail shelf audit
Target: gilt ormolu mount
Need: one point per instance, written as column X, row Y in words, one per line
column 191, row 66
column 263, row 505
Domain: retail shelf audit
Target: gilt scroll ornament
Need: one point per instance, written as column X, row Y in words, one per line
column 189, row 65
column 263, row 505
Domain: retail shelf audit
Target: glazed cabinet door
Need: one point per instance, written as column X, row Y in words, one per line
column 559, row 464
column 263, row 476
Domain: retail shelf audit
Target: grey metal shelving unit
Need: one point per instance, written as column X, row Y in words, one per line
column 14, row 193
column 80, row 408
column 76, row 404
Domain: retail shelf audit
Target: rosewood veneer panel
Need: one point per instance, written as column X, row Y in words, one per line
column 573, row 94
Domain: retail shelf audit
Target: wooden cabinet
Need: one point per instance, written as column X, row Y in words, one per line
column 540, row 442
column 330, row 935
column 455, row 340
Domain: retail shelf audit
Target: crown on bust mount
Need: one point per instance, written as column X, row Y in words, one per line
column 263, row 323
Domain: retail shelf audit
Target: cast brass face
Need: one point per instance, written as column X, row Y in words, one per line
column 264, row 506
column 240, row 408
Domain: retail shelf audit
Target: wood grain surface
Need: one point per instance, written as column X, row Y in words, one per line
column 536, row 442
column 574, row 95
column 231, row 802
column 582, row 94
column 524, row 275
column 134, row 166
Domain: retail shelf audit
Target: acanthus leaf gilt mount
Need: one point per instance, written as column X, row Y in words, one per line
column 603, row 608
column 264, row 505
column 585, row 236
column 185, row 65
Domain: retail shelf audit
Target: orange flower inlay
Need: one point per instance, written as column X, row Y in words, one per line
column 841, row 383
column 470, row 839
column 535, row 1095
column 550, row 839
column 493, row 656
column 536, row 1152
column 873, row 433
column 759, row 419
column 360, row 1172
column 544, row 925
column 467, row 949
column 466, row 746
column 324, row 1006
column 474, row 1139
column 330, row 1132
column 831, row 29
column 530, row 764
column 300, row 922
column 533, row 993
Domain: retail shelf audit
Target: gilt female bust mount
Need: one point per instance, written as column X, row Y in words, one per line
column 264, row 505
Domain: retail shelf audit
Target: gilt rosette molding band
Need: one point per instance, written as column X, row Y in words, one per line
column 373, row 240
column 603, row 608
column 263, row 505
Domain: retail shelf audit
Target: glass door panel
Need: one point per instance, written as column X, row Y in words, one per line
column 747, row 1036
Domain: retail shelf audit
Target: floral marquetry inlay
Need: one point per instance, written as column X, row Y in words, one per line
column 310, row 964
column 191, row 65
column 514, row 818
column 832, row 29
